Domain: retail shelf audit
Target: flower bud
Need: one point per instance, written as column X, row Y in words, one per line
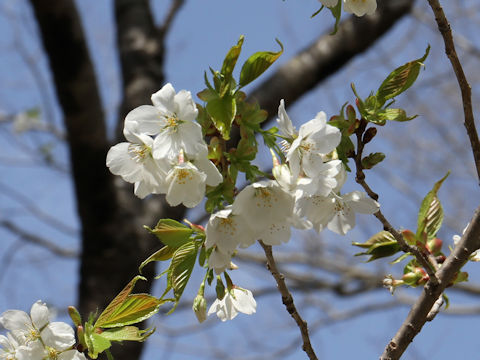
column 409, row 237
column 390, row 283
column 434, row 246
column 369, row 135
column 200, row 308
column 75, row 315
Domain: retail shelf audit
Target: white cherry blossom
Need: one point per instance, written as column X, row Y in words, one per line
column 304, row 149
column 171, row 119
column 268, row 211
column 185, row 185
column 226, row 231
column 235, row 301
column 360, row 7
column 337, row 213
column 219, row 261
column 133, row 161
column 9, row 347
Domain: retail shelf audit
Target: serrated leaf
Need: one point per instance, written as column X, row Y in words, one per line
column 380, row 237
column 163, row 254
column 223, row 111
column 181, row 268
column 231, row 59
column 134, row 309
column 373, row 159
column 400, row 79
column 257, row 64
column 393, row 115
column 128, row 309
column 380, row 245
column 171, row 232
column 430, row 215
column 127, row 333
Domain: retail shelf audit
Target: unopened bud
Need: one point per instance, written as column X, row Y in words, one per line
column 200, row 308
column 351, row 115
column 434, row 246
column 409, row 237
column 75, row 315
column 369, row 135
column 391, row 284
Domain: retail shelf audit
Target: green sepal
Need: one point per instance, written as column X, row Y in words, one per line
column 380, row 245
column 317, row 12
column 337, row 13
column 203, row 256
column 180, row 269
column 430, row 215
column 171, row 232
column 163, row 254
column 373, row 159
column 257, row 64
column 128, row 308
column 400, row 79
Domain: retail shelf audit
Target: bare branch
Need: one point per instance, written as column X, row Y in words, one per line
column 287, row 300
column 172, row 12
column 446, row 274
column 466, row 90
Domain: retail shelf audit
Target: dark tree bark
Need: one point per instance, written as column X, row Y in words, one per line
column 113, row 240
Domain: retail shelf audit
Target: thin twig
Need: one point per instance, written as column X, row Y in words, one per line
column 465, row 89
column 428, row 263
column 287, row 300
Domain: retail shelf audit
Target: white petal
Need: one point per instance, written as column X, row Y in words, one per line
column 15, row 320
column 58, row 335
column 213, row 175
column 284, row 123
column 163, row 99
column 244, row 301
column 358, row 201
column 143, row 119
column 71, row 355
column 187, row 111
column 342, row 222
column 39, row 314
column 219, row 261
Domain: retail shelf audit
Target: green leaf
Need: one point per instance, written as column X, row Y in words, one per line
column 430, row 215
column 337, row 13
column 400, row 258
column 380, row 245
column 231, row 59
column 257, row 64
column 393, row 115
column 181, row 268
column 400, row 79
column 207, row 95
column 223, row 111
column 163, row 254
column 126, row 333
column 128, row 309
column 171, row 232
column 373, row 159
column 100, row 344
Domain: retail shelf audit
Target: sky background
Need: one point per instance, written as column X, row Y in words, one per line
column 200, row 37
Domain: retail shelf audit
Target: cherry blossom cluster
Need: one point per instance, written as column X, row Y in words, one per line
column 305, row 194
column 35, row 337
column 357, row 7
column 165, row 152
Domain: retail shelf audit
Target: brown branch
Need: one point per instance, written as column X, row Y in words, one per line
column 428, row 263
column 172, row 13
column 287, row 300
column 465, row 89
column 419, row 312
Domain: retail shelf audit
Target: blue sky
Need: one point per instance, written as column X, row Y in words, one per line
column 199, row 38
